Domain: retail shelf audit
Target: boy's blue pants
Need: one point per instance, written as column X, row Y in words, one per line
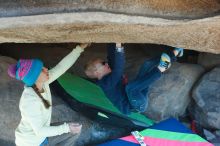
column 137, row 89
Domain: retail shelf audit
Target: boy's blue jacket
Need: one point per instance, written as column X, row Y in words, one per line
column 112, row 84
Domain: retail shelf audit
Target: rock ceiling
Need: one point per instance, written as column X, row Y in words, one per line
column 191, row 24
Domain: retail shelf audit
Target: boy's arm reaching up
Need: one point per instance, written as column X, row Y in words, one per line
column 116, row 60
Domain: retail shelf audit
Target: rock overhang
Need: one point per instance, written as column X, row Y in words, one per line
column 111, row 21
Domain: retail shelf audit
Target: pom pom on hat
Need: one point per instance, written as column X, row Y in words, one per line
column 12, row 70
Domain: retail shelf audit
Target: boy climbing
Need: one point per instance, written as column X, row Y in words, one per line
column 109, row 76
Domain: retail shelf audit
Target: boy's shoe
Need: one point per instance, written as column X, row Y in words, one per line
column 179, row 52
column 165, row 62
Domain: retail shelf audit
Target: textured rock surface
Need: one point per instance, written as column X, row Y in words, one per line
column 155, row 8
column 207, row 98
column 209, row 60
column 201, row 35
column 10, row 91
column 188, row 24
column 170, row 95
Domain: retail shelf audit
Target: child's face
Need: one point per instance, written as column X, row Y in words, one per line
column 102, row 68
column 44, row 75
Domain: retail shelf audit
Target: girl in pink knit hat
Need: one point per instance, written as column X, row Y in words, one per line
column 35, row 103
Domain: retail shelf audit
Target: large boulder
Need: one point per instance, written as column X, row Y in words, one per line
column 186, row 24
column 101, row 27
column 10, row 91
column 170, row 95
column 154, row 8
column 207, row 98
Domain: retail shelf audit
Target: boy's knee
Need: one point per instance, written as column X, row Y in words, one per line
column 139, row 106
column 143, row 107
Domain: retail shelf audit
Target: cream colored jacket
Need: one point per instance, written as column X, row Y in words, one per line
column 34, row 126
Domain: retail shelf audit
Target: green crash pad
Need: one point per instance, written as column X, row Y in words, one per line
column 87, row 92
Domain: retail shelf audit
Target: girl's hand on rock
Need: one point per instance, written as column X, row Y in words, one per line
column 84, row 45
